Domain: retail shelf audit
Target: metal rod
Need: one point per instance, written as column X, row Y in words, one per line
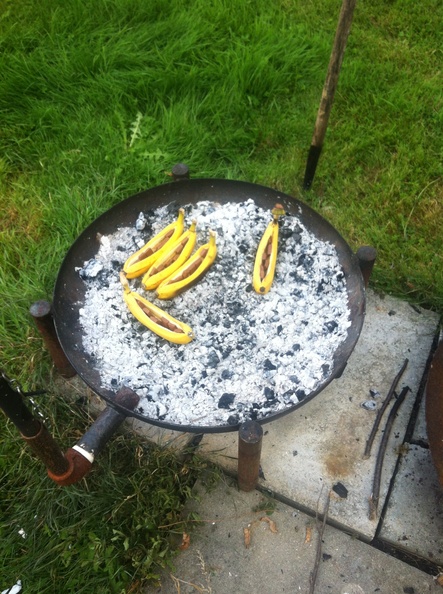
column 327, row 98
column 366, row 259
column 107, row 422
column 82, row 455
column 32, row 430
column 47, row 450
column 382, row 409
column 250, row 436
column 373, row 500
column 41, row 311
column 14, row 408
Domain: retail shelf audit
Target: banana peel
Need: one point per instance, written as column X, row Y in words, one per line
column 171, row 260
column 154, row 318
column 266, row 257
column 190, row 271
column 139, row 262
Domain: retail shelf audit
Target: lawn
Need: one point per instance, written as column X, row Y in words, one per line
column 99, row 100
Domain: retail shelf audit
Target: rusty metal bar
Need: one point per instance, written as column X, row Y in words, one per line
column 81, row 456
column 366, row 258
column 250, row 436
column 32, row 430
column 42, row 314
column 47, row 450
column 107, row 422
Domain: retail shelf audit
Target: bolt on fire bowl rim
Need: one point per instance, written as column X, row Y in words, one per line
column 69, row 292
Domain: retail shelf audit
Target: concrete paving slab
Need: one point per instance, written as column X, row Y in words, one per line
column 414, row 516
column 280, row 554
column 322, row 443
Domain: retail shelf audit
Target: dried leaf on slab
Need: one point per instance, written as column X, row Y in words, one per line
column 247, row 536
column 308, row 536
column 272, row 525
column 186, row 541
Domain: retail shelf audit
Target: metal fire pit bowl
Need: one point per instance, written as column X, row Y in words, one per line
column 69, row 292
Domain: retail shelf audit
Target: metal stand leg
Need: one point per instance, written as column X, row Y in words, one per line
column 41, row 312
column 250, row 438
column 366, row 258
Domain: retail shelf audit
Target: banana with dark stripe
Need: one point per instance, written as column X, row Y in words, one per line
column 266, row 257
column 155, row 318
column 139, row 262
column 171, row 260
column 190, row 272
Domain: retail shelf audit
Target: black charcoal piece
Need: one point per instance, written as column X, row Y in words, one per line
column 320, row 287
column 233, row 420
column 279, row 329
column 268, row 365
column 288, row 395
column 301, row 394
column 213, row 359
column 226, row 400
column 296, row 347
column 341, row 490
column 235, row 308
column 325, row 368
column 326, row 557
column 227, row 374
column 331, row 325
column 269, row 393
column 226, row 352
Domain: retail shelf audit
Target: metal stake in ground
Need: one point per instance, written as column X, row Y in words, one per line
column 327, row 98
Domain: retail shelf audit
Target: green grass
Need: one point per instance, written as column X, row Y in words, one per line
column 99, row 100
column 111, row 533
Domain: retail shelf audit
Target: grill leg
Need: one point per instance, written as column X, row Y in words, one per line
column 250, row 436
column 366, row 258
column 41, row 312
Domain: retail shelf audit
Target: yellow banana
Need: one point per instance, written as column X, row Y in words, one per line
column 171, row 260
column 155, row 318
column 266, row 257
column 144, row 258
column 190, row 271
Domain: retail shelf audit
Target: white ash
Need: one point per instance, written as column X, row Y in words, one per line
column 253, row 355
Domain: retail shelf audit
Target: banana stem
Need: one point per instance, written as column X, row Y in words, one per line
column 124, row 282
